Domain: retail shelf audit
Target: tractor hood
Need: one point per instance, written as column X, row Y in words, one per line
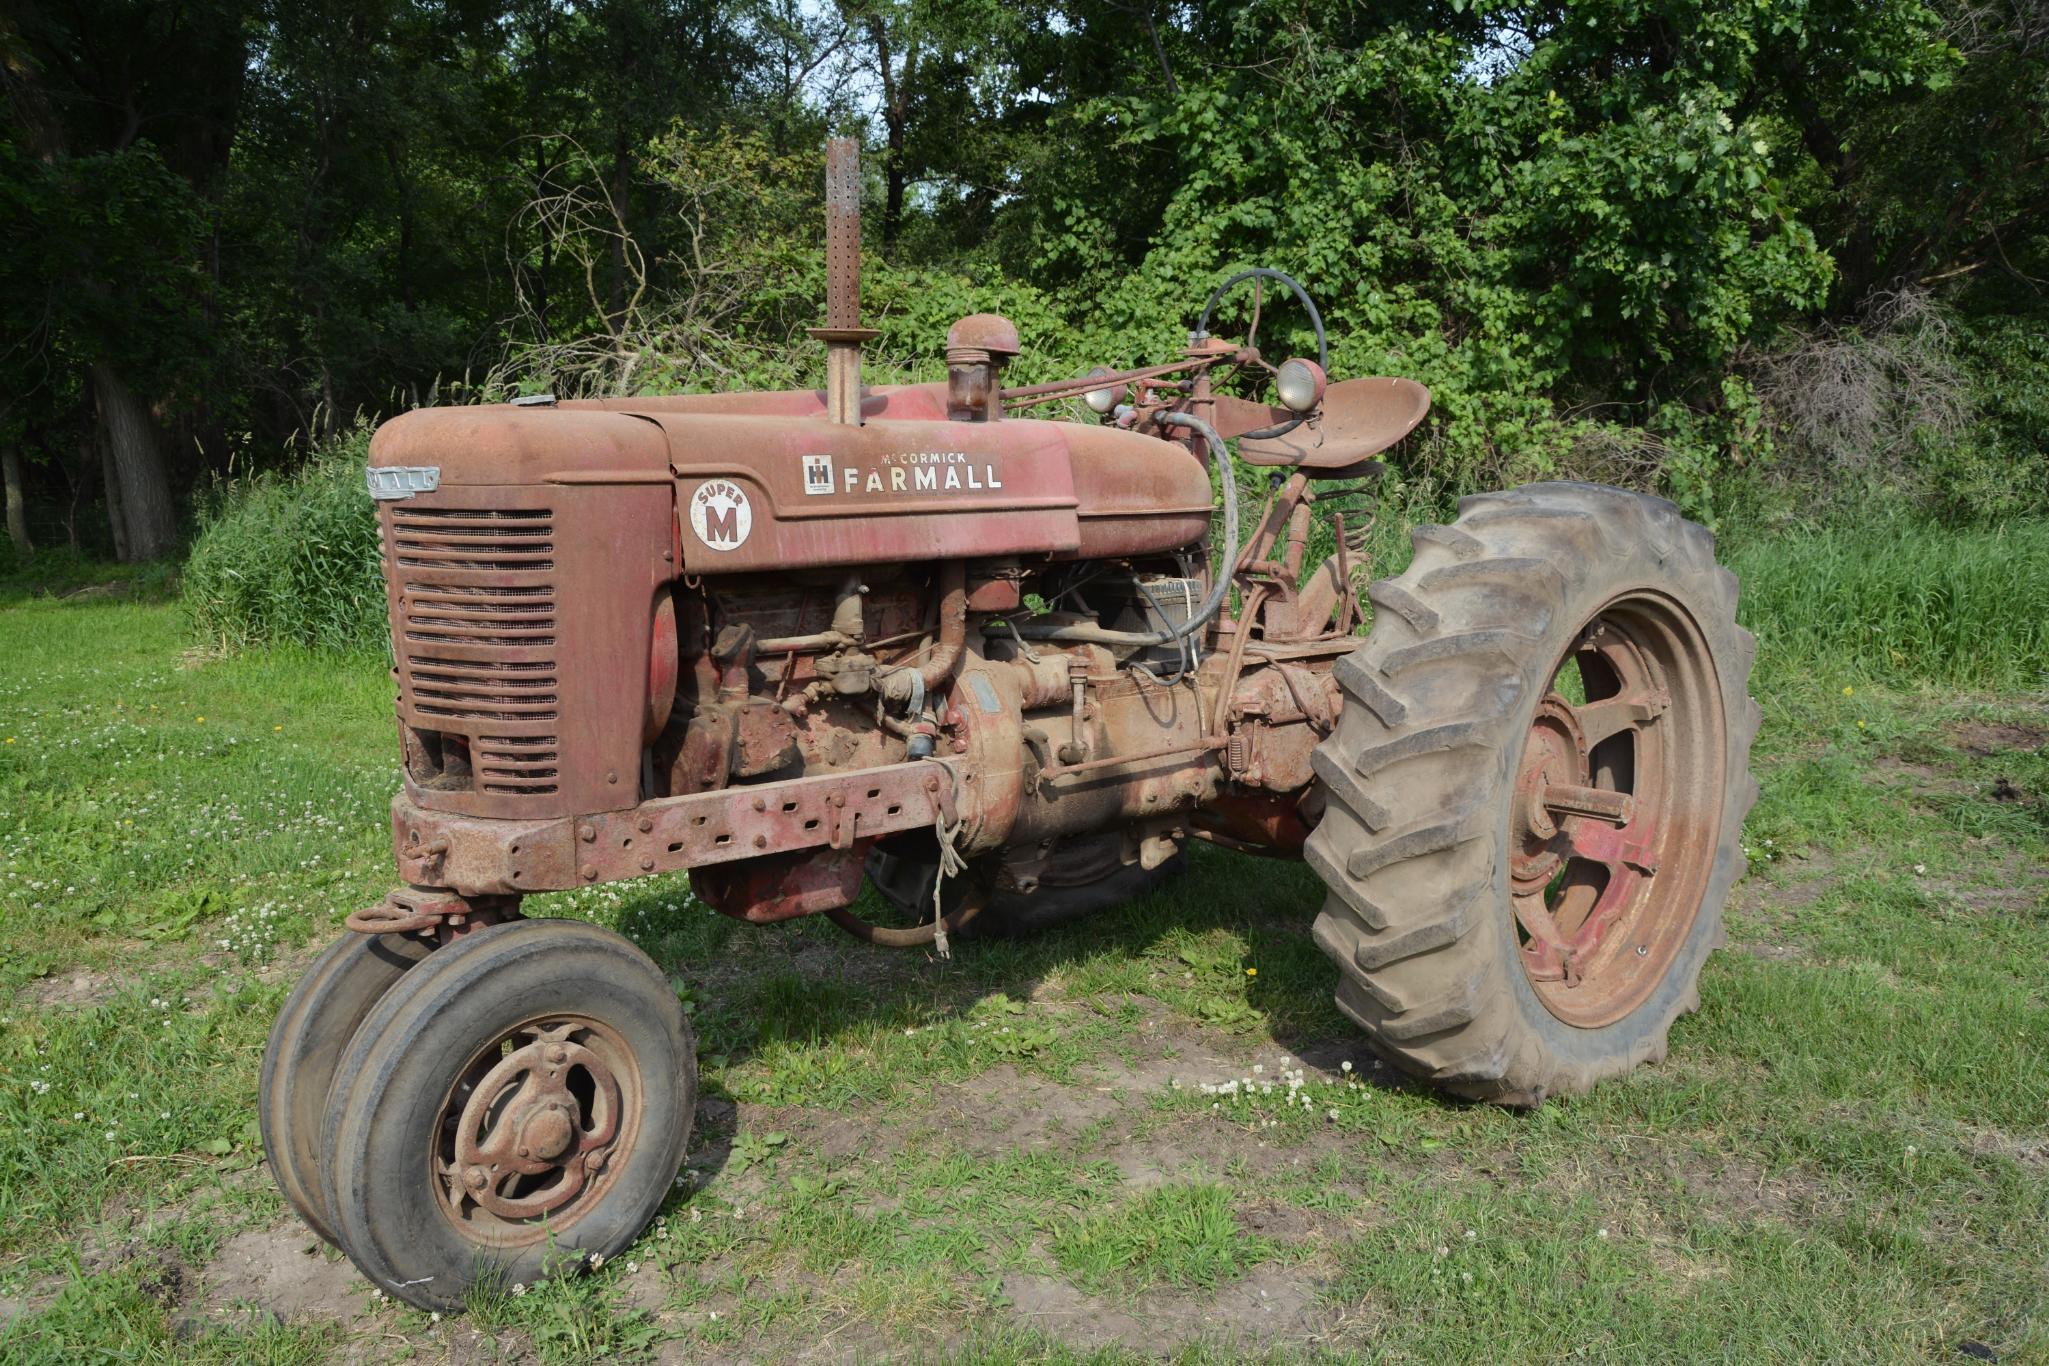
column 763, row 482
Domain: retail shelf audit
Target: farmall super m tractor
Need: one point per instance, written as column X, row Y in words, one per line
column 1004, row 667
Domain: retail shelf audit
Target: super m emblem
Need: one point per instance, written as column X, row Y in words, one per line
column 720, row 514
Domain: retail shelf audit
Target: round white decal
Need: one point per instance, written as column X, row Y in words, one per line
column 720, row 515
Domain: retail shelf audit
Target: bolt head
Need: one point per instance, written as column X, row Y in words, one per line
column 557, row 1054
column 476, row 1178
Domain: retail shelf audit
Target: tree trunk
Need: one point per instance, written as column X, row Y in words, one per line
column 117, row 526
column 146, row 524
column 17, row 509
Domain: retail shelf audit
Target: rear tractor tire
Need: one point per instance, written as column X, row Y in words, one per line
column 1536, row 792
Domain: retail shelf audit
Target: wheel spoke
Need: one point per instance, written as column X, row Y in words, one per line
column 1611, row 716
column 1616, row 847
column 1597, row 803
column 1547, row 952
column 1607, row 908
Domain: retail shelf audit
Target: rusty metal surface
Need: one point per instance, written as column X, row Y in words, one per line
column 498, row 444
column 777, row 887
column 904, row 492
column 1612, row 824
column 1360, row 418
column 842, row 233
column 985, row 335
column 536, row 1129
column 522, row 618
column 676, row 833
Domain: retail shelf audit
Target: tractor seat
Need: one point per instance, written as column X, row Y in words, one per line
column 1360, row 418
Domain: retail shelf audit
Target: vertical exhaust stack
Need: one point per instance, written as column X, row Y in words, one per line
column 843, row 333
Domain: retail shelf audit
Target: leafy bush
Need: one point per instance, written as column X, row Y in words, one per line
column 290, row 559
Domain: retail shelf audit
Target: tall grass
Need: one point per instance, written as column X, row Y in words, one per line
column 1905, row 600
column 292, row 559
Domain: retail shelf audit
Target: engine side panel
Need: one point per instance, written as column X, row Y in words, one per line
column 757, row 493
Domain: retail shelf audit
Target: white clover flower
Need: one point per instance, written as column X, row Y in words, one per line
column 1345, row 1066
column 519, row 1287
column 1601, row 1234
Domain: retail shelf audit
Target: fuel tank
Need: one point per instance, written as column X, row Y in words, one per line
column 763, row 482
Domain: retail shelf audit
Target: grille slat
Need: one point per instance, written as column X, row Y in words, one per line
column 477, row 630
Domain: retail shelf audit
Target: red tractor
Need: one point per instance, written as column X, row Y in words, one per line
column 1004, row 667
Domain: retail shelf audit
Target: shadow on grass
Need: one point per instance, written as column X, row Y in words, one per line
column 1223, row 948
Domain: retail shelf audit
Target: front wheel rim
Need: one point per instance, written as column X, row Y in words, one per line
column 535, row 1130
column 1616, row 811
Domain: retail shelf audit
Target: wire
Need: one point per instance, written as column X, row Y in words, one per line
column 1221, row 455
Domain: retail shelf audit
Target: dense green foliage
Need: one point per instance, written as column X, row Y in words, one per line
column 290, row 559
column 1671, row 244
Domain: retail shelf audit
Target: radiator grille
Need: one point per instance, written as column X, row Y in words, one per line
column 456, row 538
column 477, row 636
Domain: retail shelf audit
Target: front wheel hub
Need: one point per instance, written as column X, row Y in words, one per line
column 527, row 1132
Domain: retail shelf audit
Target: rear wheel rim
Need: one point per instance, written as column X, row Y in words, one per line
column 1616, row 811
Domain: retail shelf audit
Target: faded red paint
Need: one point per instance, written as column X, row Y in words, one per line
column 747, row 635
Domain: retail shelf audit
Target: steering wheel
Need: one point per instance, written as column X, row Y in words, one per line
column 1252, row 336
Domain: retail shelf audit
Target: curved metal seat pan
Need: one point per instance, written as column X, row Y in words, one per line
column 1360, row 418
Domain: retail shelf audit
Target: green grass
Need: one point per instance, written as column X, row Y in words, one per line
column 1842, row 1158
column 1904, row 600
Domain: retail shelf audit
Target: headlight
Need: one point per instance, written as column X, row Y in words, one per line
column 1300, row 385
column 1103, row 400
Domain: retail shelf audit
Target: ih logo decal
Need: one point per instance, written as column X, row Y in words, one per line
column 818, row 474
column 720, row 515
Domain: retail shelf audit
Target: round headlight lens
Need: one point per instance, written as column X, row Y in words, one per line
column 1300, row 384
column 1103, row 401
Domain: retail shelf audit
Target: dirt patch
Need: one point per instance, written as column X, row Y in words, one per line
column 285, row 1273
column 1981, row 740
column 1771, row 952
column 71, row 989
column 2029, row 1152
column 1273, row 1307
